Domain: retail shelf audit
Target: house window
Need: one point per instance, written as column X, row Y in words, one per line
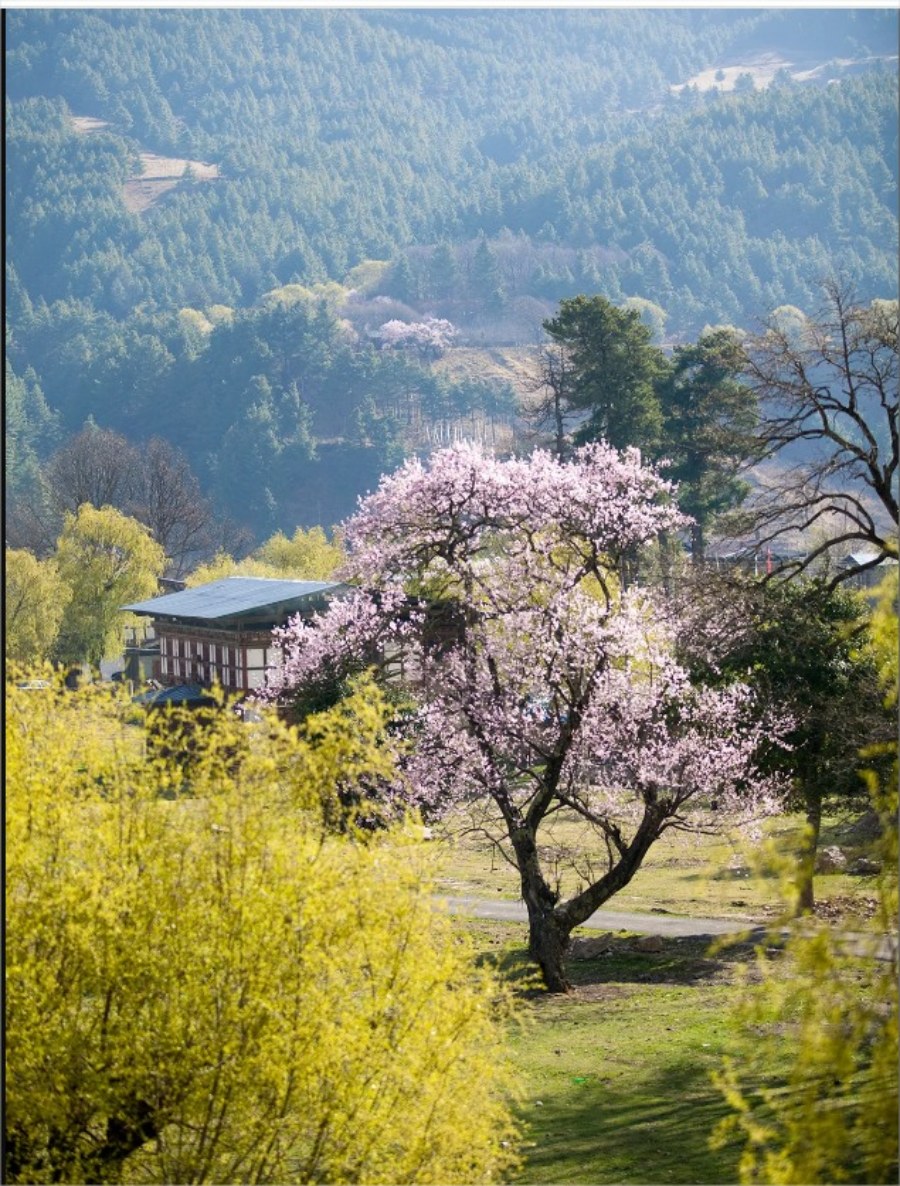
column 256, row 666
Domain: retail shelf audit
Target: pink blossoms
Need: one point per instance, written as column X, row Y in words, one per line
column 539, row 685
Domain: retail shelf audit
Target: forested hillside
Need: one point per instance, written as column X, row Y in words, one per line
column 344, row 170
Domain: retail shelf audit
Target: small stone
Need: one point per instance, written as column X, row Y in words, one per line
column 588, row 949
column 863, row 867
column 831, row 860
column 648, row 943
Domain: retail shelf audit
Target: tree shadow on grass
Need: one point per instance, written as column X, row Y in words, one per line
column 679, row 961
column 643, row 1128
column 684, row 961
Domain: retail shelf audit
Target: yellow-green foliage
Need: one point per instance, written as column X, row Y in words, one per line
column 884, row 635
column 368, row 276
column 305, row 556
column 831, row 1014
column 107, row 559
column 203, row 985
column 308, row 555
column 220, row 314
column 36, row 596
column 328, row 293
column 222, row 565
column 194, row 320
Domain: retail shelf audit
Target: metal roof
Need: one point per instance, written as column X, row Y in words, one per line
column 858, row 559
column 234, row 597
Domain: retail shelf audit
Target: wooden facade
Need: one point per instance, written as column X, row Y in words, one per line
column 235, row 658
column 221, row 633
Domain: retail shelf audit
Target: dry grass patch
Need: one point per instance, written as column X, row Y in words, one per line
column 689, row 875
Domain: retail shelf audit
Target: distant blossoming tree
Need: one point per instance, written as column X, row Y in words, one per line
column 430, row 337
column 540, row 688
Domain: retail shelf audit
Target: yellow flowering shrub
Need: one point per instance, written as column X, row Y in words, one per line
column 205, row 985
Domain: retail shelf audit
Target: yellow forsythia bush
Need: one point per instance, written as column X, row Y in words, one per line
column 204, row 985
column 814, row 1098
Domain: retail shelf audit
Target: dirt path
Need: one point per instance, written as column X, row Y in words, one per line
column 667, row 925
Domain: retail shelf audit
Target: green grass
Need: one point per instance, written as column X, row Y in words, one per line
column 615, row 1077
column 690, row 875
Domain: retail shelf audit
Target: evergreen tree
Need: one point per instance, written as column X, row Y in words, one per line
column 612, row 373
column 709, row 416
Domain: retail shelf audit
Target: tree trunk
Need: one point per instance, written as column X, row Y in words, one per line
column 698, row 543
column 548, row 937
column 807, row 857
column 547, row 945
column 550, row 923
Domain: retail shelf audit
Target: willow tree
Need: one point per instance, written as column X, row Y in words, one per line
column 107, row 559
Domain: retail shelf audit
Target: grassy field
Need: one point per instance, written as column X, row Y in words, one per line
column 615, row 1077
column 694, row 876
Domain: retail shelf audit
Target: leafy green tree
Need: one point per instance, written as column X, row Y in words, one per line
column 612, row 372
column 30, row 430
column 205, row 985
column 35, row 600
column 402, row 282
column 805, row 649
column 107, row 559
column 708, row 418
column 443, row 271
column 487, row 285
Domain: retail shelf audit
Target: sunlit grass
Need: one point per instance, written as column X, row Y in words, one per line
column 692, row 875
column 615, row 1077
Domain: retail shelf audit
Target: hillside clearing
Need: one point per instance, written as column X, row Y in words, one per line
column 158, row 174
column 763, row 67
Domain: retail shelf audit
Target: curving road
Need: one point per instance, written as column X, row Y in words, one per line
column 671, row 926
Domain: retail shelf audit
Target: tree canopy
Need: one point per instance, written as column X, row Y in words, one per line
column 708, row 418
column 35, row 600
column 612, row 371
column 536, row 688
column 107, row 560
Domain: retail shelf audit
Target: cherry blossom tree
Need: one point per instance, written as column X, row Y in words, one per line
column 430, row 337
column 487, row 587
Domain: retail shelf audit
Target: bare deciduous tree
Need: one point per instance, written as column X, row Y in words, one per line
column 827, row 388
column 96, row 466
column 550, row 413
column 152, row 483
column 167, row 499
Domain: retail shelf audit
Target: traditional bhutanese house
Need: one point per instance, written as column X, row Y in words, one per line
column 868, row 568
column 221, row 632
